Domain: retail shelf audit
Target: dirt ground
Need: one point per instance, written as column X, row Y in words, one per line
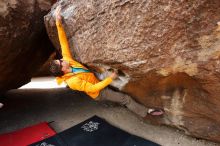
column 66, row 108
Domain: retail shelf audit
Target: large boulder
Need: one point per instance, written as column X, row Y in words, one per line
column 167, row 53
column 24, row 45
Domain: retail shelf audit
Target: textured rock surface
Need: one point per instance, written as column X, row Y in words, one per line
column 24, row 43
column 168, row 52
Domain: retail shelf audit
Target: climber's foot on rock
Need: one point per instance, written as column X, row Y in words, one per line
column 155, row 112
column 1, row 105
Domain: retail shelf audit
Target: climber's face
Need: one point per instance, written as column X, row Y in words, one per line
column 63, row 64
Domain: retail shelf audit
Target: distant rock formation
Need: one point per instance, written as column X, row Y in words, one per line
column 167, row 53
column 24, row 43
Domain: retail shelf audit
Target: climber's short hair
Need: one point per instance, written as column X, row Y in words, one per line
column 56, row 69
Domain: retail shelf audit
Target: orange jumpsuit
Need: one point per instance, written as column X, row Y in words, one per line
column 87, row 81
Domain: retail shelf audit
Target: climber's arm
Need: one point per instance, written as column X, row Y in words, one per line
column 98, row 86
column 101, row 85
column 62, row 36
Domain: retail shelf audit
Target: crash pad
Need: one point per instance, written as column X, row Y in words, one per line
column 95, row 131
column 26, row 136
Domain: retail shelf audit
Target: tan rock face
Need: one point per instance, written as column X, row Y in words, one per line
column 24, row 43
column 167, row 53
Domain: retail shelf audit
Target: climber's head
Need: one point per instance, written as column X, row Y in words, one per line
column 59, row 67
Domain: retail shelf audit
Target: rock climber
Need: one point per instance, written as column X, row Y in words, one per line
column 80, row 78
